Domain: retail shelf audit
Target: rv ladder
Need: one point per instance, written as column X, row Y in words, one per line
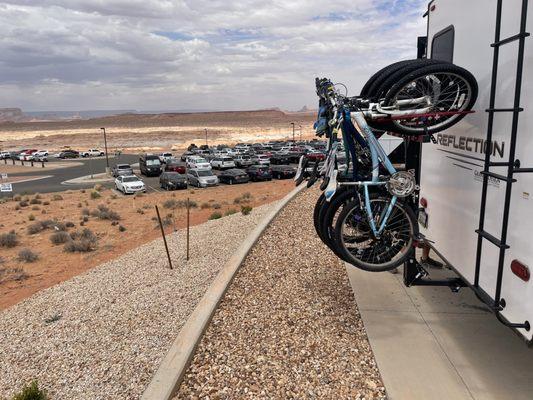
column 513, row 166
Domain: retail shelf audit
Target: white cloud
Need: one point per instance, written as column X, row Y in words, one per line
column 222, row 54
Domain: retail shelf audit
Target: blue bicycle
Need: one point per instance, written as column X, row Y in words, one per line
column 364, row 214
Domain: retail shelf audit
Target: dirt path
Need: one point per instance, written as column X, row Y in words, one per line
column 288, row 328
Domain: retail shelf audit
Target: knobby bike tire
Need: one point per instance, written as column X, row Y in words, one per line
column 346, row 255
column 383, row 72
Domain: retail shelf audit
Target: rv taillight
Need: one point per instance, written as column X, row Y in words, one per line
column 520, row 270
column 423, row 202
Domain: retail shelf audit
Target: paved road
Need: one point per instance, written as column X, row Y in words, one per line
column 54, row 182
column 56, row 177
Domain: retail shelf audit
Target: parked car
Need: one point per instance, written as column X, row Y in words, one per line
column 68, row 154
column 185, row 155
column 92, row 153
column 4, row 155
column 259, row 173
column 279, row 159
column 201, row 177
column 174, row 165
column 283, row 171
column 129, row 184
column 27, row 155
column 196, row 162
column 315, row 156
column 14, row 155
column 41, row 155
column 172, row 181
column 223, row 162
column 122, row 169
column 243, row 160
column 233, row 175
column 165, row 157
column 150, row 165
column 261, row 159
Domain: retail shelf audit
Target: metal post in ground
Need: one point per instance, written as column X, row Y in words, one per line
column 106, row 156
column 164, row 237
column 188, row 225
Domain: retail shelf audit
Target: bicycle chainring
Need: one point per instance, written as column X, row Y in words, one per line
column 401, row 184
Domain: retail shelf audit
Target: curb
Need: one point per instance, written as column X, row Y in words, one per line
column 171, row 371
column 86, row 179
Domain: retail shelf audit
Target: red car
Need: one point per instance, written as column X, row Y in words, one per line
column 316, row 156
column 175, row 166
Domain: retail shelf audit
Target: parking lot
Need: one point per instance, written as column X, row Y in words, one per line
column 49, row 179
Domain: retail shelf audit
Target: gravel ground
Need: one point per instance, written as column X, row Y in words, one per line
column 288, row 327
column 103, row 334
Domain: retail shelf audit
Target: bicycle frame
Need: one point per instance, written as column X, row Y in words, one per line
column 378, row 156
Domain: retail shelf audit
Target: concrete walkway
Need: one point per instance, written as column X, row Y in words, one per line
column 430, row 343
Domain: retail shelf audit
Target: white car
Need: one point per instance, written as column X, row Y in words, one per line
column 129, row 184
column 165, row 157
column 196, row 162
column 222, row 162
column 4, row 154
column 92, row 153
column 261, row 159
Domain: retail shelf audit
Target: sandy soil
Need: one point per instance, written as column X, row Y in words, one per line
column 17, row 168
column 137, row 216
column 137, row 132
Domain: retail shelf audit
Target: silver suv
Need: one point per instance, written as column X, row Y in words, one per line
column 202, row 178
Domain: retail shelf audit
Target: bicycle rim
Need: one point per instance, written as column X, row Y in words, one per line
column 360, row 248
column 443, row 92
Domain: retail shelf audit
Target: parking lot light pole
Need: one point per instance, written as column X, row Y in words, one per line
column 292, row 123
column 105, row 144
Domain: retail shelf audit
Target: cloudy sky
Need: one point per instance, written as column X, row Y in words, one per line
column 195, row 54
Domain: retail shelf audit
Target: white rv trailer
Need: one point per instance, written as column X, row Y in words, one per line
column 451, row 180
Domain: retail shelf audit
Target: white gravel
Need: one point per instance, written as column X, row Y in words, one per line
column 288, row 326
column 101, row 335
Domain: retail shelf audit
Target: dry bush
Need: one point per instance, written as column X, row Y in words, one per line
column 31, row 217
column 244, row 198
column 245, row 210
column 98, row 188
column 9, row 240
column 170, row 203
column 85, row 211
column 31, row 392
column 215, row 215
column 104, row 213
column 216, row 206
column 23, row 203
column 95, row 195
column 12, row 274
column 59, row 237
column 121, row 228
column 57, row 197
column 27, row 255
column 81, row 242
column 205, row 205
column 35, row 200
column 231, row 211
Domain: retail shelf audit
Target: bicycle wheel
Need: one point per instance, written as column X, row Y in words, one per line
column 383, row 73
column 316, row 212
column 447, row 88
column 357, row 244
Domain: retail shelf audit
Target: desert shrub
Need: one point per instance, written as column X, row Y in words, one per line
column 57, row 197
column 215, row 215
column 80, row 205
column 35, row 200
column 82, row 191
column 23, row 203
column 244, row 198
column 170, row 203
column 167, row 220
column 146, row 206
column 85, row 218
column 46, row 203
column 31, row 392
column 114, row 196
column 231, row 211
column 192, row 204
column 245, row 210
column 35, row 208
column 69, row 224
column 85, row 211
column 31, row 217
column 216, row 206
column 205, row 205
column 38, row 196
column 17, row 197
column 12, row 274
column 247, row 196
column 8, row 239
column 27, row 255
column 43, row 212
column 122, row 228
column 105, row 213
column 82, row 223
column 81, row 242
column 59, row 237
column 17, row 207
column 140, row 211
column 95, row 195
column 45, row 224
column 114, row 223
column 97, row 188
